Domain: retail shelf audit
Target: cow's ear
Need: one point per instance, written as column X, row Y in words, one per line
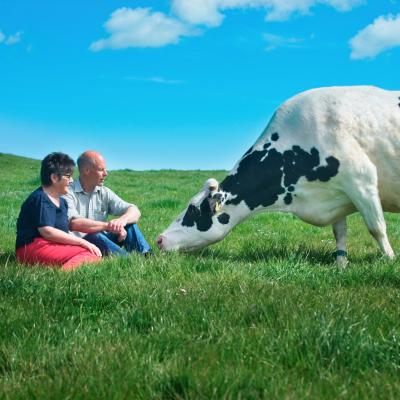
column 211, row 185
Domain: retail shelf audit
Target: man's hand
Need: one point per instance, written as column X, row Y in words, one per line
column 116, row 226
column 122, row 235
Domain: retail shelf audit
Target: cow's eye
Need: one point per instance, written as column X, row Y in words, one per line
column 217, row 196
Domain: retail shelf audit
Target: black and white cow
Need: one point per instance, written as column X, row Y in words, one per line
column 325, row 154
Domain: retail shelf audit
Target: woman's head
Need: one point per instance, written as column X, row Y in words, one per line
column 54, row 167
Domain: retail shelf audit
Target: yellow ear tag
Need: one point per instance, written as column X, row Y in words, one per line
column 217, row 207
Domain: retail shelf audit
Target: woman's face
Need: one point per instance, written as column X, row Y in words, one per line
column 61, row 183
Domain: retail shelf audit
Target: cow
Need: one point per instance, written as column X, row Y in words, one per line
column 326, row 153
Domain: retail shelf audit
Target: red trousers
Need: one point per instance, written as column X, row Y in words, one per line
column 53, row 254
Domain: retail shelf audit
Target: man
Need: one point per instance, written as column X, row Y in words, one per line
column 90, row 203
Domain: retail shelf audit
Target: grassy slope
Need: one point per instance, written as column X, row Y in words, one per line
column 263, row 314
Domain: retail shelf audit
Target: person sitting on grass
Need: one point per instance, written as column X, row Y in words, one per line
column 89, row 205
column 42, row 228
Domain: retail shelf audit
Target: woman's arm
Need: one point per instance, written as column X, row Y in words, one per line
column 59, row 236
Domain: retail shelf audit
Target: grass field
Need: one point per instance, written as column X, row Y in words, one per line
column 264, row 314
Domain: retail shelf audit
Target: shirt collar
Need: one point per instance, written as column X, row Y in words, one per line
column 78, row 187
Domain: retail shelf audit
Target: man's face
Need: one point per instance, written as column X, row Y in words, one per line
column 96, row 174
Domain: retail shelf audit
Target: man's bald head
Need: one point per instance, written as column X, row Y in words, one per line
column 89, row 159
column 92, row 170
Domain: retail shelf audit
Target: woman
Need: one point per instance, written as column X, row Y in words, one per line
column 42, row 227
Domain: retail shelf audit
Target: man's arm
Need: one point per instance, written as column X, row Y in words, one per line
column 78, row 223
column 130, row 216
column 127, row 213
column 86, row 225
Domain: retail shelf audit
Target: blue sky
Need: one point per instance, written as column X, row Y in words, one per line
column 186, row 84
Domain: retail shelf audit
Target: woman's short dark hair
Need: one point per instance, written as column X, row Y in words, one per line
column 56, row 163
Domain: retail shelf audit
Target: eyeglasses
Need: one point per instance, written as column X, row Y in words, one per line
column 68, row 176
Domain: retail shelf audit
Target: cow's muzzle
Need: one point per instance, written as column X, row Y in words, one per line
column 160, row 242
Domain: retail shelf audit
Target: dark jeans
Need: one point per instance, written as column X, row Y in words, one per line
column 108, row 242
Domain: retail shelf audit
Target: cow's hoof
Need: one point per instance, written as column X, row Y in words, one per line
column 391, row 255
column 341, row 258
column 342, row 261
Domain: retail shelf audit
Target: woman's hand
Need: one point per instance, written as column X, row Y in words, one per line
column 59, row 236
column 91, row 247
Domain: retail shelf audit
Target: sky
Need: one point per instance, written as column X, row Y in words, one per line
column 179, row 84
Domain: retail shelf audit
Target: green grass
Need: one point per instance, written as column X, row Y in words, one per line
column 263, row 314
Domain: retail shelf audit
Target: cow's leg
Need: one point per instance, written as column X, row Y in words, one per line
column 340, row 233
column 368, row 203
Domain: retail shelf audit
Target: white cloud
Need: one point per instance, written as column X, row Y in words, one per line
column 13, row 39
column 140, row 27
column 280, row 10
column 209, row 12
column 10, row 40
column 204, row 12
column 381, row 35
column 156, row 79
column 275, row 41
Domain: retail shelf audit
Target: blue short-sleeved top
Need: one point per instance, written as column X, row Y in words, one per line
column 37, row 211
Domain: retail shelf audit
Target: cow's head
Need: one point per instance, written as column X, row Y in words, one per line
column 205, row 221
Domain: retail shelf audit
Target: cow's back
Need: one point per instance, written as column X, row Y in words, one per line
column 349, row 123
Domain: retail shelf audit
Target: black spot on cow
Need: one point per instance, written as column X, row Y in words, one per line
column 288, row 198
column 202, row 216
column 190, row 216
column 274, row 137
column 266, row 145
column 257, row 182
column 224, row 218
column 258, row 179
column 298, row 163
